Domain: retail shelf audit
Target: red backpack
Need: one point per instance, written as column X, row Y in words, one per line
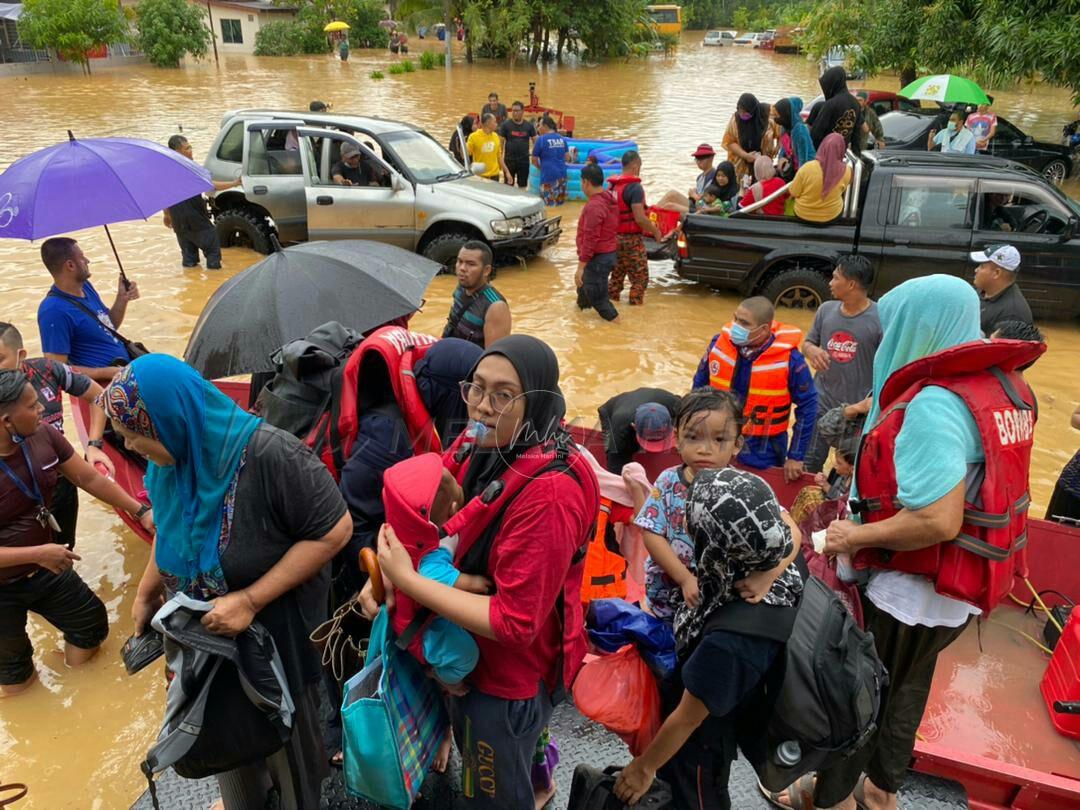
column 978, row 565
column 399, row 351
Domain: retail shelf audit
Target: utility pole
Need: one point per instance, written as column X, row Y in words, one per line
column 448, row 22
column 213, row 36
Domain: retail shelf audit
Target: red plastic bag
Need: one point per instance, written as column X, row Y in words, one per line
column 619, row 692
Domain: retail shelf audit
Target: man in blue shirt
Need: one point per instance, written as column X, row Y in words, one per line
column 728, row 363
column 549, row 156
column 75, row 325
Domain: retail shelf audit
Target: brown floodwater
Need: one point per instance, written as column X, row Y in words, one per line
column 78, row 736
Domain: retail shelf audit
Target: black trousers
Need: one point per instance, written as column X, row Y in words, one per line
column 594, row 289
column 65, row 508
column 910, row 655
column 206, row 240
column 519, row 170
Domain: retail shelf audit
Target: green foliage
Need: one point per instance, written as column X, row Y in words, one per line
column 281, row 38
column 741, row 19
column 407, row 66
column 428, row 60
column 396, row 69
column 363, row 17
column 73, row 28
column 169, row 29
column 376, row 75
column 704, row 14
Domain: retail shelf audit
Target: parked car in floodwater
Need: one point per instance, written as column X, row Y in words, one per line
column 417, row 197
column 718, row 38
column 910, row 129
column 911, row 214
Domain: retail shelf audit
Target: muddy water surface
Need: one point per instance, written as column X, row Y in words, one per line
column 77, row 737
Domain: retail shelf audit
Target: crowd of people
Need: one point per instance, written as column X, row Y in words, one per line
column 250, row 520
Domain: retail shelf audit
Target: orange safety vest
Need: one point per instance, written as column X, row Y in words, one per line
column 768, row 401
column 605, row 567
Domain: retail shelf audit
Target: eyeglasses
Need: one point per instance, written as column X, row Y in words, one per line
column 500, row 401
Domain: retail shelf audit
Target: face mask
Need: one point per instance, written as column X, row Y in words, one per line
column 477, row 431
column 745, row 116
column 951, row 126
column 740, row 335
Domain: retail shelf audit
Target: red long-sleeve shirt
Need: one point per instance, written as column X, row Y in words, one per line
column 597, row 226
column 543, row 527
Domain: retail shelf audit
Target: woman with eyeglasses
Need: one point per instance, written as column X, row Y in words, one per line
column 530, row 632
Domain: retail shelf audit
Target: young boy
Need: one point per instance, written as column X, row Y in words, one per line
column 596, row 244
column 49, row 379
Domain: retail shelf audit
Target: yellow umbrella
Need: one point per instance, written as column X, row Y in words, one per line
column 336, row 25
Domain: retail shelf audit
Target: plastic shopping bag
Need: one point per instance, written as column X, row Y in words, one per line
column 620, row 693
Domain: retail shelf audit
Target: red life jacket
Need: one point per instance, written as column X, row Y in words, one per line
column 400, row 350
column 978, row 565
column 618, row 184
column 477, row 523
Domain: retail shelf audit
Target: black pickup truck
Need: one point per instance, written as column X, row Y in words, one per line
column 911, row 214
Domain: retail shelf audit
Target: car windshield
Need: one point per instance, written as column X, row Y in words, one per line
column 425, row 159
column 902, row 127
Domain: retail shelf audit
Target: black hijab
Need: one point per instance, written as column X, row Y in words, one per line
column 833, row 81
column 538, row 368
column 727, row 168
column 783, row 113
column 752, row 132
column 438, row 378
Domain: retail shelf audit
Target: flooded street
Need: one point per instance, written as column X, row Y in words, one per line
column 77, row 738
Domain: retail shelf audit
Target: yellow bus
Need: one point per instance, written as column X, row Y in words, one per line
column 666, row 19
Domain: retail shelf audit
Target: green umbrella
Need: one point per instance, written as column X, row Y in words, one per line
column 947, row 89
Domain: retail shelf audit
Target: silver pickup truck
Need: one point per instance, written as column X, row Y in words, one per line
column 417, row 195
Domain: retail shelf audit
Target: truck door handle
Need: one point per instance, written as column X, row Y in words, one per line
column 902, row 241
column 259, row 190
column 324, row 200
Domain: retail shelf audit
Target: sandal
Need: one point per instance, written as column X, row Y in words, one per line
column 800, row 794
column 15, row 791
column 860, row 792
column 338, row 760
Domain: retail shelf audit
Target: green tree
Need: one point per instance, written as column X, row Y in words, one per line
column 702, row 14
column 741, row 18
column 169, row 29
column 73, row 28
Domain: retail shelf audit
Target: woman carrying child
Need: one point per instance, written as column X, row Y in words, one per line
column 530, row 632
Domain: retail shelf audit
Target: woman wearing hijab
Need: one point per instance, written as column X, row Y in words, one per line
column 796, row 146
column 728, row 643
column 819, row 186
column 840, row 113
column 464, row 129
column 750, row 134
column 767, row 183
column 247, row 518
column 438, row 378
column 937, row 450
column 530, row 632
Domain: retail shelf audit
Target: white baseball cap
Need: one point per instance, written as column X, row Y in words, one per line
column 1004, row 256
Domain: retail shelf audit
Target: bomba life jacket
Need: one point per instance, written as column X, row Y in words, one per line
column 978, row 565
column 400, row 350
column 477, row 523
column 618, row 184
column 768, row 399
column 605, row 567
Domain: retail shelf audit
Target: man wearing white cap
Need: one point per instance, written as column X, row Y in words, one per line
column 995, row 279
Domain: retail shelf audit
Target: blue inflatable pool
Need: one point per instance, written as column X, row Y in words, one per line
column 608, row 153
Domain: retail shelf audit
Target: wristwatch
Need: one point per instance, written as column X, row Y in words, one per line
column 98, row 443
column 142, row 511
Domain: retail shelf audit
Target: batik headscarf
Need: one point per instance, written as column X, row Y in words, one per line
column 734, row 520
column 162, row 398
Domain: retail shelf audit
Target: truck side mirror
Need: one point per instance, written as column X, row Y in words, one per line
column 399, row 183
column 477, row 168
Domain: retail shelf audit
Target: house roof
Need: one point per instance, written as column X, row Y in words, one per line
column 254, row 5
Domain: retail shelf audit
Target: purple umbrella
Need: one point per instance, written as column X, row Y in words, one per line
column 83, row 184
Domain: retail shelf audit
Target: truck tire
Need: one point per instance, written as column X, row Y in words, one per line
column 1056, row 171
column 798, row 287
column 444, row 249
column 242, row 227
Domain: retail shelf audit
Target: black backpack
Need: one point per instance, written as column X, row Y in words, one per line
column 828, row 705
column 593, row 789
column 307, row 379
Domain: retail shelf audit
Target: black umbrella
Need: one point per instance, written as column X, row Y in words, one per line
column 358, row 283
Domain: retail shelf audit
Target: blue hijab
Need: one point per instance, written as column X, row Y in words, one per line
column 162, row 398
column 789, row 112
column 921, row 317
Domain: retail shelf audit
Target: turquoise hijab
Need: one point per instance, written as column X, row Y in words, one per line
column 162, row 398
column 920, row 317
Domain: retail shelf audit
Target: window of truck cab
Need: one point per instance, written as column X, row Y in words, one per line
column 921, row 201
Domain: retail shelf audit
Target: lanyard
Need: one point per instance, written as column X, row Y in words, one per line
column 33, row 494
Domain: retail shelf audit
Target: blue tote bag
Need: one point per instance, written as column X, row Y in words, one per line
column 393, row 719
